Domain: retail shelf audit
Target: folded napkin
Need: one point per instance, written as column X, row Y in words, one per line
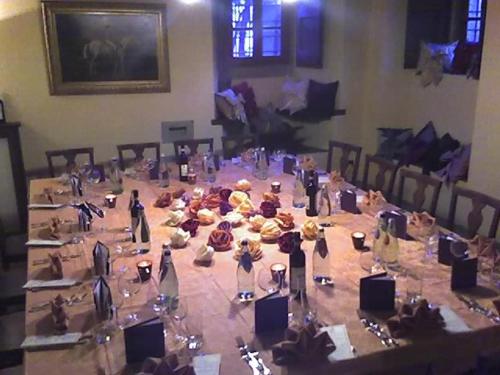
column 191, row 226
column 485, row 247
column 373, row 198
column 43, row 284
column 285, row 242
column 304, row 344
column 102, row 299
column 55, row 264
column 268, row 209
column 42, row 342
column 204, row 254
column 343, row 348
column 165, row 366
column 220, row 240
column 415, row 319
column 253, row 248
column 308, row 163
column 59, row 316
column 422, row 220
column 164, row 200
column 101, row 259
column 179, row 238
column 55, row 228
column 336, row 180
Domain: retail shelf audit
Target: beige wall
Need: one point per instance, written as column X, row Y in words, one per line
column 103, row 120
column 485, row 170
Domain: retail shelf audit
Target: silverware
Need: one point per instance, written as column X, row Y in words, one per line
column 252, row 358
column 475, row 306
column 372, row 327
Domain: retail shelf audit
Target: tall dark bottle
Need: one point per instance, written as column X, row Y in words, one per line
column 311, row 192
column 297, row 267
column 183, row 166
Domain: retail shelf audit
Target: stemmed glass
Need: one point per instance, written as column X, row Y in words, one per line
column 177, row 313
column 270, row 285
column 129, row 284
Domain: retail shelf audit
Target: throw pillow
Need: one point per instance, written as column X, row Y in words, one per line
column 246, row 91
column 432, row 160
column 445, row 50
column 420, row 144
column 458, row 165
column 321, row 98
column 294, row 96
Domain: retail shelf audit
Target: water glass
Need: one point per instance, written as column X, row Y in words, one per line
column 414, row 285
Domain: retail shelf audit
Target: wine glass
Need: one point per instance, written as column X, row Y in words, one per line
column 178, row 312
column 129, row 284
column 268, row 284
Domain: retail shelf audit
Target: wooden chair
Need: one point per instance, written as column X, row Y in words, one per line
column 345, row 159
column 138, row 150
column 233, row 146
column 70, row 156
column 475, row 216
column 193, row 145
column 423, row 182
column 385, row 167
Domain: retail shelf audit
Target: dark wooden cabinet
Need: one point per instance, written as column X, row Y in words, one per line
column 13, row 190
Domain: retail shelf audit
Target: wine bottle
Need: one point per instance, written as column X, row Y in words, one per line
column 163, row 172
column 311, row 192
column 168, row 287
column 297, row 261
column 321, row 260
column 245, row 274
column 183, row 166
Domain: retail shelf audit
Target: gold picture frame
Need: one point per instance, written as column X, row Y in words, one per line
column 105, row 47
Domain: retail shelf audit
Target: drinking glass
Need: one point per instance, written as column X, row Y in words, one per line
column 129, row 285
column 177, row 314
column 268, row 284
column 194, row 322
column 414, row 284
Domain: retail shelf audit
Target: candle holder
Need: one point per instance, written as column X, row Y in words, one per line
column 110, row 200
column 276, row 187
column 144, row 268
column 278, row 272
column 358, row 240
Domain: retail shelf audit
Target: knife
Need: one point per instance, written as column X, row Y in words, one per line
column 252, row 358
column 475, row 306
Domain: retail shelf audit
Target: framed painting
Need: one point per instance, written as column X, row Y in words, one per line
column 106, row 47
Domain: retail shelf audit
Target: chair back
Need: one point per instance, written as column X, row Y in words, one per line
column 475, row 217
column 385, row 177
column 350, row 157
column 193, row 145
column 233, row 146
column 70, row 156
column 138, row 150
column 423, row 182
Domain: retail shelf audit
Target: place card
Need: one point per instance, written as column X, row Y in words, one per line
column 377, row 292
column 44, row 206
column 338, row 334
column 400, row 221
column 208, row 364
column 144, row 340
column 45, row 243
column 48, row 284
column 463, row 273
column 348, row 201
column 271, row 313
column 51, row 342
column 289, row 164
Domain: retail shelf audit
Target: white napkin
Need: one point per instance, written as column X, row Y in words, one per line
column 207, row 364
column 454, row 324
column 44, row 206
column 38, row 284
column 338, row 334
column 45, row 243
column 40, row 342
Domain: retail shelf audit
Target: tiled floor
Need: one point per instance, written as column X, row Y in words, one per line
column 12, row 317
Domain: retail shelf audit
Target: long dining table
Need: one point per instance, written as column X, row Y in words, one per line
column 214, row 287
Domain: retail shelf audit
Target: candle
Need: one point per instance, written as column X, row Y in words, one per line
column 358, row 240
column 275, row 187
column 145, row 267
column 110, row 200
column 278, row 271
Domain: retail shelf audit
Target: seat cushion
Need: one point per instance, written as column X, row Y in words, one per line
column 420, row 144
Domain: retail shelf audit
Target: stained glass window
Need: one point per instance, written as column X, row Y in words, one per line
column 474, row 21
